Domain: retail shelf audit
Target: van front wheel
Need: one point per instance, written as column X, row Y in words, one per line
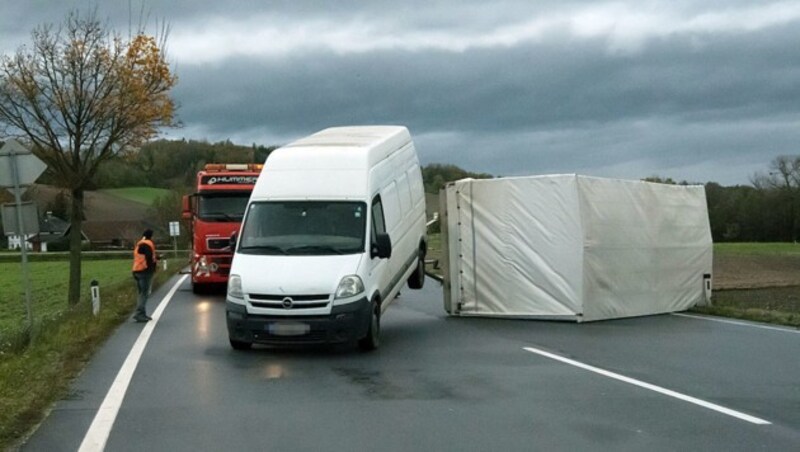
column 372, row 340
column 239, row 345
column 417, row 279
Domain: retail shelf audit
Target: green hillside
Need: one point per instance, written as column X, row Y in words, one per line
column 143, row 195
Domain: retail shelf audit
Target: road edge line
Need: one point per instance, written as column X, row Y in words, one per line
column 98, row 433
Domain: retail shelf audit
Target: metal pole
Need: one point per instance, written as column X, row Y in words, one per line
column 23, row 248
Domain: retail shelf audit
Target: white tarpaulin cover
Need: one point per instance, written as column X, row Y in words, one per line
column 574, row 247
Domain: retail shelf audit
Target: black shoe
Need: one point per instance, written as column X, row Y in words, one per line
column 148, row 317
column 141, row 319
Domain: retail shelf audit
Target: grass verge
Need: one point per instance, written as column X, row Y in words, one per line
column 776, row 305
column 758, row 249
column 60, row 345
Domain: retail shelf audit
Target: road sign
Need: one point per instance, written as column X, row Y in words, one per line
column 30, row 219
column 29, row 167
column 174, row 229
column 18, row 168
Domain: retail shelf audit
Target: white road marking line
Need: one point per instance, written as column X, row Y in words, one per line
column 734, row 322
column 641, row 384
column 97, row 435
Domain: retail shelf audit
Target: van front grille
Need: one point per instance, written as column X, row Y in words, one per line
column 265, row 297
column 313, row 336
column 289, row 301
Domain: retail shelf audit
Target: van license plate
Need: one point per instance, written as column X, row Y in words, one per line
column 288, row 329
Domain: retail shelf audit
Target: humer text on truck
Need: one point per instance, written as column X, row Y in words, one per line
column 215, row 212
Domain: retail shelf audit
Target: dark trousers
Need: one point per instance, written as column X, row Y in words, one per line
column 143, row 282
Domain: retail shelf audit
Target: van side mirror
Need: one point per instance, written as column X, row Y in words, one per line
column 186, row 208
column 381, row 247
column 233, row 238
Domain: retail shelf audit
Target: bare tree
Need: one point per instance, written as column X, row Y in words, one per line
column 784, row 172
column 80, row 94
column 784, row 177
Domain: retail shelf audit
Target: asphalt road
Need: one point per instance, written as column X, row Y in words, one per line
column 440, row 383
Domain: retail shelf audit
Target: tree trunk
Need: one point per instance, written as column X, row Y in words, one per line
column 76, row 220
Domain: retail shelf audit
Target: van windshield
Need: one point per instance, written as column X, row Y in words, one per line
column 304, row 228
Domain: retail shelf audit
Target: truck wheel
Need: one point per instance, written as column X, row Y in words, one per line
column 240, row 345
column 372, row 340
column 417, row 279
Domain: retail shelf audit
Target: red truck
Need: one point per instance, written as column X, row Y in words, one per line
column 214, row 213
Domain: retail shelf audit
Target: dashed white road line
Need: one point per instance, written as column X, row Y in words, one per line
column 734, row 322
column 641, row 384
column 97, row 435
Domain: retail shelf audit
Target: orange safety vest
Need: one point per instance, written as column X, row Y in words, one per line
column 140, row 260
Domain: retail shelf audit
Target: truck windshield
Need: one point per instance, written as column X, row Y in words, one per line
column 304, row 228
column 222, row 206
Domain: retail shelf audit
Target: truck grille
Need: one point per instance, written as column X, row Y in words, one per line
column 222, row 260
column 224, row 271
column 218, row 243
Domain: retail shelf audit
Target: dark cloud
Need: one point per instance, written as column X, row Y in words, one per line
column 712, row 103
column 562, row 105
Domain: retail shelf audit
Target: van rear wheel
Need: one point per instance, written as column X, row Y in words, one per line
column 372, row 340
column 417, row 279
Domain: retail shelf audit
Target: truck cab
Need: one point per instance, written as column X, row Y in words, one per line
column 214, row 213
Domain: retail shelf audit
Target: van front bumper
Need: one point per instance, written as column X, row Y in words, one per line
column 345, row 323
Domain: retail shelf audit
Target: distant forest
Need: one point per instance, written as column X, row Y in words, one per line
column 766, row 211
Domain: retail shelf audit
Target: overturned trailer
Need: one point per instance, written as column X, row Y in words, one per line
column 569, row 247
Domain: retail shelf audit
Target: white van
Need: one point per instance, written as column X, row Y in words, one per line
column 334, row 227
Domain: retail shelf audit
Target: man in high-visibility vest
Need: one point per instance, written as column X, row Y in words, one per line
column 145, row 263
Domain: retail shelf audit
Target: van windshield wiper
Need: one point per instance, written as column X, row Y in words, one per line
column 273, row 248
column 311, row 248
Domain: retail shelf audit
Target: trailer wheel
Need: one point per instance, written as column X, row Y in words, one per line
column 417, row 279
column 372, row 340
column 240, row 345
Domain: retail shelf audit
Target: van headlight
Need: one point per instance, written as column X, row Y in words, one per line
column 349, row 286
column 235, row 287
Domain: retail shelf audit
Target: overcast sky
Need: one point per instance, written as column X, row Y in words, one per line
column 693, row 90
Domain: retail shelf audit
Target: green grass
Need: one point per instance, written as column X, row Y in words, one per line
column 62, row 339
column 49, row 282
column 759, row 249
column 143, row 195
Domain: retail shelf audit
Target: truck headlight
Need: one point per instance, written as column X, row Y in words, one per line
column 349, row 286
column 235, row 287
column 202, row 266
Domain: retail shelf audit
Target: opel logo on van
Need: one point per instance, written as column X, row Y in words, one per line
column 287, row 303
